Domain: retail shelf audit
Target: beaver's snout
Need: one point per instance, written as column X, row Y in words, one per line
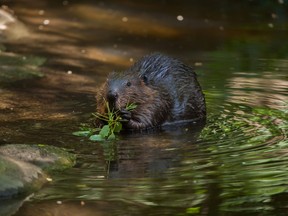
column 112, row 97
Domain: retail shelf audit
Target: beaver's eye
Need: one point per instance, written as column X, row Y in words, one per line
column 145, row 79
column 128, row 84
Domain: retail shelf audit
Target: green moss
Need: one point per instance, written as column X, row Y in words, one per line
column 24, row 168
column 15, row 67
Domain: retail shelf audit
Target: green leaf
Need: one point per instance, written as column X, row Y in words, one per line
column 105, row 131
column 41, row 145
column 112, row 136
column 113, row 124
column 82, row 133
column 96, row 137
column 118, row 127
column 194, row 210
column 131, row 106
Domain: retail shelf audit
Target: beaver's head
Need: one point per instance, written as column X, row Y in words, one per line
column 126, row 88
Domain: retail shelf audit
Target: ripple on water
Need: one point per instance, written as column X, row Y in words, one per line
column 246, row 156
column 236, row 163
column 239, row 159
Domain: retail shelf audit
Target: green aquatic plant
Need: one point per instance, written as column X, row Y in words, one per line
column 106, row 132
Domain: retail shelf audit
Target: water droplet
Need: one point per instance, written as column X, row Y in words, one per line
column 125, row 19
column 41, row 12
column 180, row 18
column 274, row 16
column 198, row 64
column 46, row 22
column 270, row 25
column 3, row 27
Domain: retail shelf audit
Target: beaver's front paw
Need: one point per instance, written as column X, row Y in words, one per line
column 125, row 115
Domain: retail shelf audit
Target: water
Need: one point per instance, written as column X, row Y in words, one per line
column 234, row 165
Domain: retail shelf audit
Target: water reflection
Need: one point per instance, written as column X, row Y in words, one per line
column 230, row 168
column 235, row 165
column 266, row 90
column 152, row 155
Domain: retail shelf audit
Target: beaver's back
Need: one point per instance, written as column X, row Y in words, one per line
column 179, row 80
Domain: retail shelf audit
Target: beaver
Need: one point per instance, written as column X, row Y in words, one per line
column 164, row 89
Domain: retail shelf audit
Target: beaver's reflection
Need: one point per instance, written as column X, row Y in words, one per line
column 151, row 155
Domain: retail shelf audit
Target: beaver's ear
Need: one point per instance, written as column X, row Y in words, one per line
column 145, row 79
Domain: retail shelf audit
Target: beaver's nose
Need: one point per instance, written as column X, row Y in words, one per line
column 112, row 96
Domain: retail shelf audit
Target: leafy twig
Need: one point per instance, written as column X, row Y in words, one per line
column 113, row 124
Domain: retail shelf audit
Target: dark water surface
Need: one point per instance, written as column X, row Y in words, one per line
column 237, row 164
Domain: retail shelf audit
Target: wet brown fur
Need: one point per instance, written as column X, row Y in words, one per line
column 164, row 90
column 151, row 110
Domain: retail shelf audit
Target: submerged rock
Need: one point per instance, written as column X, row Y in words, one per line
column 24, row 168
